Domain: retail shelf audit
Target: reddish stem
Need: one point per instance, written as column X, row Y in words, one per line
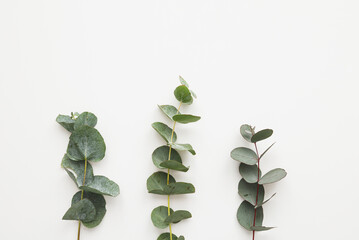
column 255, row 210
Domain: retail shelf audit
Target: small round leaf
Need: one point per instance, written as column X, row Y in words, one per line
column 157, row 183
column 246, row 132
column 166, row 236
column 161, row 154
column 84, row 210
column 244, row 155
column 159, row 215
column 85, row 118
column 249, row 172
column 183, row 94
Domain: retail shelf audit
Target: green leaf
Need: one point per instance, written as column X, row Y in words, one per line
column 102, row 185
column 183, row 82
column 169, row 110
column 83, row 210
column 261, row 228
column 66, row 121
column 185, row 118
column 249, row 172
column 273, row 176
column 174, row 165
column 266, row 150
column 184, row 147
column 259, row 205
column 180, row 238
column 165, row 132
column 77, row 168
column 248, row 191
column 159, row 215
column 246, row 132
column 166, row 236
column 157, row 183
column 183, row 94
column 86, row 143
column 178, row 188
column 99, row 203
column 244, row 155
column 161, row 154
column 245, row 215
column 261, row 135
column 177, row 216
column 85, row 119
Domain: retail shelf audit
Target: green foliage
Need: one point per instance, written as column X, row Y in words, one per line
column 86, row 144
column 168, row 157
column 250, row 187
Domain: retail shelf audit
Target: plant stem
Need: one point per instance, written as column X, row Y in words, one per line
column 255, row 210
column 168, row 172
column 82, row 197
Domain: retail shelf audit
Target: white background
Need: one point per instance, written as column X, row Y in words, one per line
column 287, row 65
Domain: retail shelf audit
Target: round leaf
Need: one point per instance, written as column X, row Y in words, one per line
column 169, row 110
column 245, row 215
column 99, row 203
column 165, row 132
column 185, row 118
column 85, row 118
column 102, row 185
column 159, row 215
column 166, row 236
column 249, row 172
column 261, row 135
column 161, row 154
column 66, row 121
column 177, row 216
column 248, row 191
column 183, row 94
column 83, row 210
column 86, row 143
column 244, row 155
column 273, row 176
column 157, row 183
column 246, row 132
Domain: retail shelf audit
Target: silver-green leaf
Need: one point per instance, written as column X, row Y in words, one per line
column 244, row 155
column 273, row 176
column 157, row 183
column 248, row 191
column 86, row 143
column 159, row 215
column 84, row 210
column 169, row 110
column 261, row 135
column 249, row 172
column 177, row 216
column 245, row 215
column 166, row 236
column 165, row 132
column 184, row 147
column 66, row 121
column 174, row 165
column 246, row 132
column 85, row 118
column 161, row 155
column 185, row 118
column 102, row 185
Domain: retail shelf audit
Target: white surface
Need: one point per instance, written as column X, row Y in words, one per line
column 288, row 65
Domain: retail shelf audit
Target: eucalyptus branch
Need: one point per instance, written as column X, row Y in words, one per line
column 251, row 186
column 88, row 205
column 167, row 157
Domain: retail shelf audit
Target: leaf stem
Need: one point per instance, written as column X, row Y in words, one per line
column 168, row 172
column 82, row 197
column 255, row 210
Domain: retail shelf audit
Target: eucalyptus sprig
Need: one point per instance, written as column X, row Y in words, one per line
column 167, row 157
column 86, row 144
column 251, row 186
